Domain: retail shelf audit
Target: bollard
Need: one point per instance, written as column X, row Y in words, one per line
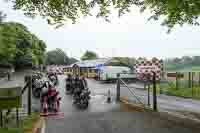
column 109, row 97
column 154, row 92
column 118, row 88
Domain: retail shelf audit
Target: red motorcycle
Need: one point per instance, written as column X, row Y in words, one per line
column 50, row 103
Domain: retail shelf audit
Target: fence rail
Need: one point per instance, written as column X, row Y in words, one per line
column 133, row 94
column 28, row 85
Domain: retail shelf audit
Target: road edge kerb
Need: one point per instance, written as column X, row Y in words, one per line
column 126, row 106
column 185, row 121
column 38, row 125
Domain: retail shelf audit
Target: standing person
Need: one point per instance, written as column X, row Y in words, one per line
column 69, row 83
column 77, row 81
column 10, row 72
column 84, row 84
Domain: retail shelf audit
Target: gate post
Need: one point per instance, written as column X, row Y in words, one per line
column 192, row 84
column 189, row 80
column 154, row 92
column 149, row 103
column 29, row 94
column 177, row 80
column 1, row 117
column 118, row 88
column 199, row 78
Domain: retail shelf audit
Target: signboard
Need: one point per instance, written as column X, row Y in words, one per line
column 145, row 69
column 10, row 98
column 174, row 75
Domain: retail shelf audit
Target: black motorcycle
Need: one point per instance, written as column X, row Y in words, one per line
column 53, row 78
column 37, row 90
column 69, row 86
column 81, row 97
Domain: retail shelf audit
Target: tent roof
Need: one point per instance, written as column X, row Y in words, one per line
column 92, row 63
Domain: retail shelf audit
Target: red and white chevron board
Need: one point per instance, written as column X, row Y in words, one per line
column 145, row 69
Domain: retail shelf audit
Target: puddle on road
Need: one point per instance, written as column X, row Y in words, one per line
column 97, row 96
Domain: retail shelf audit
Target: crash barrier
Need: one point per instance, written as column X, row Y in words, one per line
column 11, row 98
column 122, row 86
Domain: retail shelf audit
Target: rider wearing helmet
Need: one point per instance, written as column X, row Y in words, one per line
column 69, row 82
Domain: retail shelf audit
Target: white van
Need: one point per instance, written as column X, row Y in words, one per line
column 108, row 73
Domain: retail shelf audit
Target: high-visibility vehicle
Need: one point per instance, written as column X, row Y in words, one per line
column 109, row 73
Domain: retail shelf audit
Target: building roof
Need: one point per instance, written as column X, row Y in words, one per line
column 92, row 63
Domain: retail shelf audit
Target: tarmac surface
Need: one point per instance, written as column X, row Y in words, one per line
column 103, row 117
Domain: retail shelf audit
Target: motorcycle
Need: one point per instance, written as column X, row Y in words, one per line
column 81, row 98
column 53, row 78
column 69, row 86
column 50, row 101
column 37, row 88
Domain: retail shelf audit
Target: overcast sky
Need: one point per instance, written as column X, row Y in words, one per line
column 132, row 35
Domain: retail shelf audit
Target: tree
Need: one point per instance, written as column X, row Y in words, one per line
column 19, row 47
column 56, row 57
column 72, row 60
column 89, row 55
column 125, row 61
column 172, row 12
column 186, row 60
column 2, row 16
column 196, row 61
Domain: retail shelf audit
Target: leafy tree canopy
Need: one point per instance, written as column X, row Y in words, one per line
column 19, row 47
column 89, row 55
column 124, row 61
column 183, row 62
column 72, row 60
column 56, row 57
column 172, row 12
column 2, row 16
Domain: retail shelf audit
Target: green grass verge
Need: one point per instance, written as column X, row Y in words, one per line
column 185, row 92
column 27, row 125
column 171, row 90
column 196, row 69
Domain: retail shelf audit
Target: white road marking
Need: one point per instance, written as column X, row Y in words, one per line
column 43, row 127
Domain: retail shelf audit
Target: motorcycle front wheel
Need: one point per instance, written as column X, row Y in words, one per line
column 36, row 94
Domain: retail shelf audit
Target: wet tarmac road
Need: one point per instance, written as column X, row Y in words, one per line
column 102, row 117
column 182, row 107
column 98, row 101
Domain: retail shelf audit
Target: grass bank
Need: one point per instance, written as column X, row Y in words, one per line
column 27, row 125
column 171, row 90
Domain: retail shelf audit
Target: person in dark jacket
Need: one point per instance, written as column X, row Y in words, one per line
column 69, row 83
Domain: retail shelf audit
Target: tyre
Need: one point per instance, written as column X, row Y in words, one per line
column 36, row 94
